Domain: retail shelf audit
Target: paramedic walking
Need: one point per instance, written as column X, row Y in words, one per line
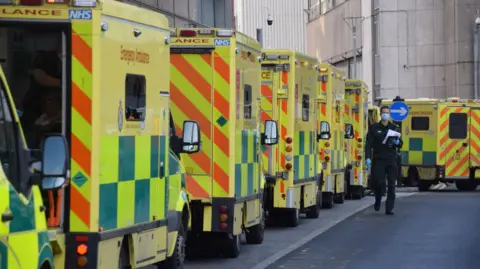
column 383, row 151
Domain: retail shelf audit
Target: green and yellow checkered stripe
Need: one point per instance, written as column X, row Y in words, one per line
column 246, row 163
column 337, row 150
column 27, row 231
column 133, row 185
column 420, row 151
column 304, row 155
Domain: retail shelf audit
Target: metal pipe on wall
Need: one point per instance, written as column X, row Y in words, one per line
column 475, row 60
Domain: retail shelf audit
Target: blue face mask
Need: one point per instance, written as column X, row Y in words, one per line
column 385, row 116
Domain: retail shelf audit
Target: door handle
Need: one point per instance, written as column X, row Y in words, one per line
column 465, row 144
column 7, row 217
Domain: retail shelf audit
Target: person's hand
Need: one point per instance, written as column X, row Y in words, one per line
column 396, row 142
column 368, row 162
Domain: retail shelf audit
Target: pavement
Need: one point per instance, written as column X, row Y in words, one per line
column 436, row 230
column 281, row 241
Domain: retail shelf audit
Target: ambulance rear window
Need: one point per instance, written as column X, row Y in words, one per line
column 305, row 107
column 247, row 101
column 420, row 123
column 135, row 99
column 458, row 124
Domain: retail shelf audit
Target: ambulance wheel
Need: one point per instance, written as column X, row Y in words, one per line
column 177, row 260
column 293, row 218
column 231, row 248
column 466, row 185
column 255, row 234
column 339, row 198
column 327, row 200
column 313, row 212
column 424, row 185
column 357, row 192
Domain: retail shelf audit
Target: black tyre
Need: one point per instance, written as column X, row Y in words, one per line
column 466, row 185
column 339, row 198
column 424, row 185
column 357, row 192
column 293, row 217
column 177, row 260
column 327, row 200
column 231, row 247
column 313, row 212
column 255, row 234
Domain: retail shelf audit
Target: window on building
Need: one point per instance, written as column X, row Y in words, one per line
column 305, row 107
column 135, row 101
column 458, row 124
column 420, row 123
column 326, row 5
column 247, row 101
column 314, row 9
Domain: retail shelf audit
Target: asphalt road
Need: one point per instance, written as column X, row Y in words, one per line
column 279, row 241
column 438, row 230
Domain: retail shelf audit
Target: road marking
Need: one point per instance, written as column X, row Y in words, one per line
column 270, row 260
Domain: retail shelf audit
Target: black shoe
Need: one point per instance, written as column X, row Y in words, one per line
column 376, row 206
column 389, row 213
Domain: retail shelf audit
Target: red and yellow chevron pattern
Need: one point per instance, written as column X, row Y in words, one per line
column 199, row 86
column 456, row 156
column 475, row 138
column 81, row 135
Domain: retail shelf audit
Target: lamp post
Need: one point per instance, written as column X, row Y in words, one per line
column 353, row 26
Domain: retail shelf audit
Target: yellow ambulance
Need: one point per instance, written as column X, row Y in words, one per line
column 96, row 75
column 292, row 175
column 441, row 142
column 215, row 80
column 331, row 107
column 356, row 112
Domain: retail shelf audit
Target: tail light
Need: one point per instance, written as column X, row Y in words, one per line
column 288, row 166
column 31, row 2
column 359, row 157
column 289, row 140
column 359, row 140
column 223, row 217
column 327, row 158
column 223, row 209
column 327, row 144
column 82, row 260
column 289, row 149
column 188, row 33
column 359, row 145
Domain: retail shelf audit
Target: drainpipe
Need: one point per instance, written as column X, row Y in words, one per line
column 475, row 54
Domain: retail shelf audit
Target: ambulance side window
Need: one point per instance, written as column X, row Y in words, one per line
column 305, row 107
column 458, row 123
column 135, row 98
column 8, row 152
column 420, row 123
column 247, row 101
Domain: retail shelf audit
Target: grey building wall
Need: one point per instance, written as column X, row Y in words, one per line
column 288, row 30
column 192, row 13
column 418, row 48
column 330, row 35
column 426, row 48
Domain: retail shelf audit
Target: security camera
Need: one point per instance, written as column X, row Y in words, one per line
column 269, row 19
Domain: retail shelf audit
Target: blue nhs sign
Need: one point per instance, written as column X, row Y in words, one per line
column 222, row 42
column 80, row 14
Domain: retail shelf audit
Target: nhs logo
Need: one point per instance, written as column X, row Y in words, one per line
column 80, row 14
column 222, row 42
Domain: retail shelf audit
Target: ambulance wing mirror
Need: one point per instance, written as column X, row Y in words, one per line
column 191, row 137
column 349, row 131
column 54, row 169
column 270, row 136
column 324, row 133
